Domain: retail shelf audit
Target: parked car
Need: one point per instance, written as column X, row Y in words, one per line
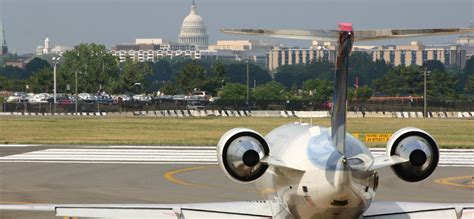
column 178, row 97
column 201, row 94
column 195, row 105
column 125, row 97
column 142, row 98
column 86, row 97
column 198, row 95
column 65, row 101
column 104, row 99
column 18, row 97
column 62, row 99
column 39, row 98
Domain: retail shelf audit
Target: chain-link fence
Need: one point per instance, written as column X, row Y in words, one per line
column 294, row 105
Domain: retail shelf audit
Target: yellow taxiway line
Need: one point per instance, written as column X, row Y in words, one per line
column 170, row 176
column 448, row 181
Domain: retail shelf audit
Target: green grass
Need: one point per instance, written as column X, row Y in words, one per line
column 450, row 133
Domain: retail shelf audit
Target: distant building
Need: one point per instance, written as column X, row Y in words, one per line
column 229, row 55
column 280, row 56
column 416, row 54
column 46, row 48
column 16, row 63
column 193, row 30
column 151, row 50
column 3, row 41
column 238, row 50
column 467, row 42
column 240, row 45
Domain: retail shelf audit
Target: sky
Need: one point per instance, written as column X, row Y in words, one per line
column 70, row 22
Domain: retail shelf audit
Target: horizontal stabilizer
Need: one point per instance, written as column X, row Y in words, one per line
column 244, row 210
column 273, row 161
column 321, row 35
column 360, row 35
column 386, row 161
column 418, row 210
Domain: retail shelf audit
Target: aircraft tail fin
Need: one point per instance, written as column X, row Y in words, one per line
column 339, row 109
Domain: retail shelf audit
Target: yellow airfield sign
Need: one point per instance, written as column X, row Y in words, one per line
column 373, row 137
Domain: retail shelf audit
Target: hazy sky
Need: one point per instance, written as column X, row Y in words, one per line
column 109, row 22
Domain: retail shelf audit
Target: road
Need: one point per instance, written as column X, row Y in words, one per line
column 124, row 181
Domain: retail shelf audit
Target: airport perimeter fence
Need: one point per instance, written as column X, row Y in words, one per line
column 293, row 105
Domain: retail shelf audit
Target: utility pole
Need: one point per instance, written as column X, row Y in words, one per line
column 248, row 90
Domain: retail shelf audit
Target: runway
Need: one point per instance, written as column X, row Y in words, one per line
column 25, row 178
column 122, row 154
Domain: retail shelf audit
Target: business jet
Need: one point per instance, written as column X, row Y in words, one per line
column 306, row 171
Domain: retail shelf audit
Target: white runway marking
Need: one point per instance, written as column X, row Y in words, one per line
column 172, row 155
column 17, row 145
column 166, row 155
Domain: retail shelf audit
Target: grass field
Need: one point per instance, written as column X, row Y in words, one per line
column 450, row 133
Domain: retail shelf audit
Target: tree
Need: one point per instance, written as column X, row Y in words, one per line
column 217, row 79
column 290, row 75
column 96, row 68
column 35, row 65
column 434, row 65
column 12, row 84
column 133, row 74
column 12, row 72
column 401, row 80
column 4, row 83
column 237, row 73
column 169, row 88
column 41, row 81
column 318, row 90
column 364, row 93
column 271, row 91
column 192, row 76
column 162, row 70
column 442, row 85
column 234, row 92
column 469, row 87
column 469, row 68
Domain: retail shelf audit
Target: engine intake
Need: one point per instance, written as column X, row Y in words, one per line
column 419, row 148
column 240, row 152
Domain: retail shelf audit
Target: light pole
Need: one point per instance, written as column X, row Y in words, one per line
column 424, row 93
column 77, row 96
column 55, row 62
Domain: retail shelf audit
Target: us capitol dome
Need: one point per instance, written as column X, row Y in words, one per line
column 193, row 30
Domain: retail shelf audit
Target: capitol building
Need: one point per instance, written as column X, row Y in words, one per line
column 193, row 30
column 193, row 43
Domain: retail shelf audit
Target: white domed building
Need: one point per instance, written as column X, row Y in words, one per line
column 193, row 30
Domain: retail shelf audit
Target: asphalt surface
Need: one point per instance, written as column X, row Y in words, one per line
column 129, row 183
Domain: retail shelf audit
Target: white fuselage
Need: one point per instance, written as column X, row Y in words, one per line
column 327, row 188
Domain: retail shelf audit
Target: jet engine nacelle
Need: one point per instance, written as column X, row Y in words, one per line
column 419, row 148
column 239, row 152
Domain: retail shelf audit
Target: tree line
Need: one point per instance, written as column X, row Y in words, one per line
column 97, row 69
